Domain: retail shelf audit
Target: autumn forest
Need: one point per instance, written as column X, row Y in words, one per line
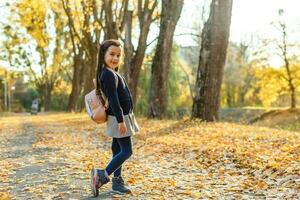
column 215, row 93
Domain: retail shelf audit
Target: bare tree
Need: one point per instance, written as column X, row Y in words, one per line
column 211, row 62
column 283, row 46
column 84, row 46
column 158, row 98
column 114, row 18
column 134, row 57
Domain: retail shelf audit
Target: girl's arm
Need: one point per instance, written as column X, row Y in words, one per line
column 109, row 83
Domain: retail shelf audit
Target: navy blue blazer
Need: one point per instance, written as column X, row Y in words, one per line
column 119, row 97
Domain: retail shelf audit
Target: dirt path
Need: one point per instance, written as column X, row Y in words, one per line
column 50, row 157
column 33, row 167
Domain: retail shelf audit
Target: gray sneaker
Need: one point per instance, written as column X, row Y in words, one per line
column 98, row 179
column 118, row 185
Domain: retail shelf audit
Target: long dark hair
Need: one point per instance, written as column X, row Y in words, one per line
column 102, row 51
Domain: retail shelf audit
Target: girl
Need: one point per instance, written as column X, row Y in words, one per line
column 121, row 123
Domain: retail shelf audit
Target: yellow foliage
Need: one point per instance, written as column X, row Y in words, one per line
column 2, row 71
column 184, row 100
column 271, row 84
column 62, row 88
column 33, row 18
column 190, row 159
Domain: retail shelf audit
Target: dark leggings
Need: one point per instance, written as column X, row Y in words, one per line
column 122, row 150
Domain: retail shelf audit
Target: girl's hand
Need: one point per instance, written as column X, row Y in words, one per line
column 122, row 128
column 95, row 82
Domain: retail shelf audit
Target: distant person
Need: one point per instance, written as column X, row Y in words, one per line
column 34, row 107
column 121, row 123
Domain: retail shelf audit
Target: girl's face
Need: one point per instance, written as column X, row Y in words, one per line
column 112, row 56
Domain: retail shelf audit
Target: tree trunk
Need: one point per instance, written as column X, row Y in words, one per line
column 128, row 48
column 47, row 97
column 45, row 94
column 229, row 95
column 136, row 63
column 90, row 54
column 284, row 50
column 212, row 59
column 111, row 30
column 241, row 96
column 76, row 83
column 292, row 89
column 158, row 98
column 89, row 72
column 134, row 58
column 293, row 98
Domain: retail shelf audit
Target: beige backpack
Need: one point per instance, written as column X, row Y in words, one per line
column 94, row 106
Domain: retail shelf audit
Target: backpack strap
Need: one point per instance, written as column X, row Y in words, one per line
column 102, row 96
column 116, row 76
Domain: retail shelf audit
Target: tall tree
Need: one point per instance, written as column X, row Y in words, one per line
column 84, row 23
column 283, row 47
column 77, row 59
column 134, row 56
column 33, row 16
column 90, row 41
column 114, row 18
column 109, row 16
column 111, row 30
column 214, row 44
column 87, row 32
column 158, row 98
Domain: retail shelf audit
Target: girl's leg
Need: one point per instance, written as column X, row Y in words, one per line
column 115, row 147
column 124, row 153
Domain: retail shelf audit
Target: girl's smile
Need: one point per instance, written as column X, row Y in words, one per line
column 112, row 56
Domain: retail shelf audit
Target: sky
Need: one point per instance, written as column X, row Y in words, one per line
column 250, row 18
column 255, row 16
